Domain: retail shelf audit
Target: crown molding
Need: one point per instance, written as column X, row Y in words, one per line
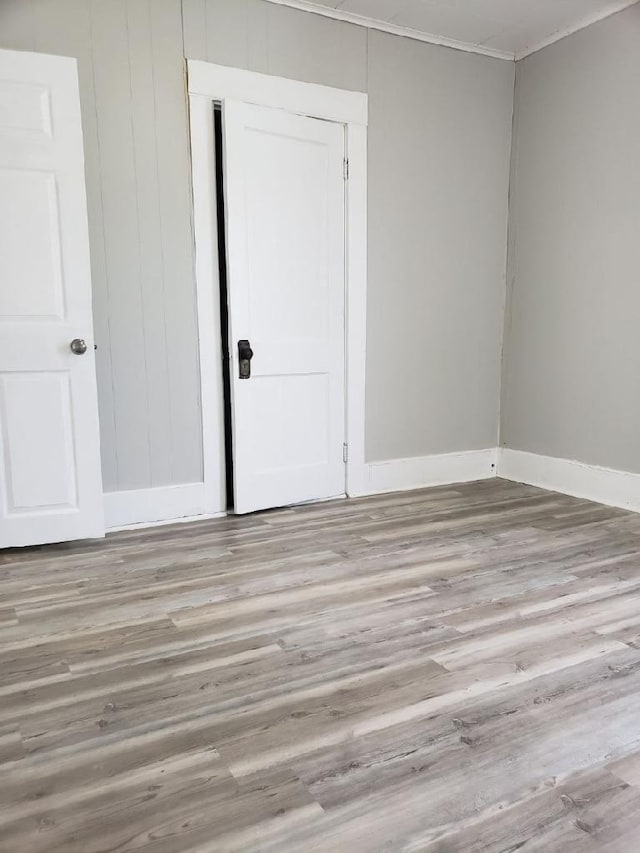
column 383, row 26
column 582, row 24
column 468, row 47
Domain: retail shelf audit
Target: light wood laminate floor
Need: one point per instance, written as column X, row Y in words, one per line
column 451, row 670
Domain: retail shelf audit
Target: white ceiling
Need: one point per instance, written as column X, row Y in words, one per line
column 510, row 29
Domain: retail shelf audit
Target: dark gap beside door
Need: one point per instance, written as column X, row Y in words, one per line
column 224, row 306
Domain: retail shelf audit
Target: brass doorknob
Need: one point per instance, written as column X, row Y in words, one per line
column 78, row 346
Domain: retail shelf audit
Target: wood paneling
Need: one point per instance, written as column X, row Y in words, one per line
column 149, row 235
column 118, row 169
column 131, row 69
column 448, row 670
column 176, row 234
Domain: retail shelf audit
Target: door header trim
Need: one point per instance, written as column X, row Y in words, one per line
column 310, row 99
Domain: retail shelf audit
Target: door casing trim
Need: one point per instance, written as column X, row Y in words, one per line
column 208, row 83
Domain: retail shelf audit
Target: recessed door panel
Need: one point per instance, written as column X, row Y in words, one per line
column 291, row 442
column 287, row 183
column 30, row 272
column 24, row 107
column 39, row 463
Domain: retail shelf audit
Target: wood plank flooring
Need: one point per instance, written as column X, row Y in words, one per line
column 451, row 670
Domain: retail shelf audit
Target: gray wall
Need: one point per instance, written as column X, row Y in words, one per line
column 439, row 150
column 439, row 139
column 572, row 368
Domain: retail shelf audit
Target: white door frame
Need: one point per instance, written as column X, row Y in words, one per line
column 209, row 83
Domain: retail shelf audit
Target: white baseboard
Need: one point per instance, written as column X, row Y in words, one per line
column 398, row 475
column 127, row 510
column 170, row 504
column 602, row 485
column 147, row 507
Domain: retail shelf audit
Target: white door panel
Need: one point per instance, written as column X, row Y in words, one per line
column 25, row 107
column 285, row 246
column 31, row 282
column 40, row 466
column 50, row 482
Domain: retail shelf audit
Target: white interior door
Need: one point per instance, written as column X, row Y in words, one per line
column 50, row 481
column 284, row 192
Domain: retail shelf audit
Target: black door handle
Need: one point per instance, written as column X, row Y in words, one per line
column 245, row 354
